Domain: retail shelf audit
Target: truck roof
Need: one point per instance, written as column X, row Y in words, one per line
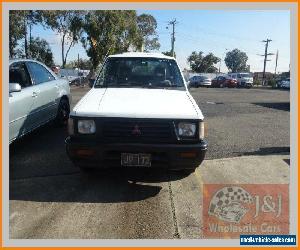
column 143, row 54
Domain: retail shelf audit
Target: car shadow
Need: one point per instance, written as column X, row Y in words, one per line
column 40, row 171
column 283, row 106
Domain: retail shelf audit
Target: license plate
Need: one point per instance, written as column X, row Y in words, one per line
column 136, row 160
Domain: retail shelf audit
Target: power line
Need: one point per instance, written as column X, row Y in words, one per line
column 217, row 43
column 222, row 35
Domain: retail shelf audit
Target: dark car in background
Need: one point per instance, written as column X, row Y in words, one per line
column 284, row 84
column 224, row 81
column 199, row 81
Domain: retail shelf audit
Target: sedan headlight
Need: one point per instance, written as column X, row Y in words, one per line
column 86, row 127
column 186, row 129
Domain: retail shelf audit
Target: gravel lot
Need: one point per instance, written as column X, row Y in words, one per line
column 49, row 198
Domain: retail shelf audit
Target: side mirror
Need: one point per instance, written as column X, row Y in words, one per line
column 91, row 82
column 14, row 87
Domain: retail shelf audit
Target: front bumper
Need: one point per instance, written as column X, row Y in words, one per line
column 205, row 83
column 106, row 155
column 246, row 83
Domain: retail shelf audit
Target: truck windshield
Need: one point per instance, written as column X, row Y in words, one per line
column 140, row 72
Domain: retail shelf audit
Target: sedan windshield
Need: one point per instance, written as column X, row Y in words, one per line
column 140, row 72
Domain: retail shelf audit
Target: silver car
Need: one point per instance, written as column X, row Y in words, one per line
column 36, row 96
column 200, row 81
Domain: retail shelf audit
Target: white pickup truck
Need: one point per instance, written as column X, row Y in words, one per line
column 139, row 113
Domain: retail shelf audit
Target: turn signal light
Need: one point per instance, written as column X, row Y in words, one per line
column 85, row 152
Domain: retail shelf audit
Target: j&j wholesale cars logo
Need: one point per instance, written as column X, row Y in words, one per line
column 232, row 210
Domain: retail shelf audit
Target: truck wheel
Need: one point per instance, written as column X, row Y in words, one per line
column 63, row 112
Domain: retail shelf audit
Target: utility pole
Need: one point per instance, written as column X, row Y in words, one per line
column 25, row 37
column 276, row 62
column 221, row 60
column 173, row 23
column 78, row 62
column 266, row 58
column 78, row 70
column 30, row 30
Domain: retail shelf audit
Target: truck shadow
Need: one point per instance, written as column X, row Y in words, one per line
column 40, row 171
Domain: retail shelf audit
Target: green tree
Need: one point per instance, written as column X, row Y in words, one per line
column 203, row 64
column 16, row 31
column 41, row 51
column 32, row 18
column 147, row 28
column 68, row 24
column 236, row 60
column 20, row 21
column 109, row 32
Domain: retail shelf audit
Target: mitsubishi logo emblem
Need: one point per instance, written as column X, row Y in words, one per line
column 136, row 131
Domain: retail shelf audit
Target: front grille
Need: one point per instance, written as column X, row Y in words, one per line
column 136, row 130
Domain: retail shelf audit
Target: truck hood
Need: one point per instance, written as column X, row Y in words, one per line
column 138, row 103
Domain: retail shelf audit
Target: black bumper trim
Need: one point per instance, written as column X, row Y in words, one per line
column 107, row 155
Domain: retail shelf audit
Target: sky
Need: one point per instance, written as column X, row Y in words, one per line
column 216, row 31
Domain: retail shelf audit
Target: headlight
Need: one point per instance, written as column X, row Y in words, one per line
column 201, row 130
column 86, row 127
column 186, row 129
column 70, row 126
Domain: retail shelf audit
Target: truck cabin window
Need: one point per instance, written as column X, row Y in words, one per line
column 140, row 72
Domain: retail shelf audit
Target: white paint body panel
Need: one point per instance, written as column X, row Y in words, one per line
column 138, row 103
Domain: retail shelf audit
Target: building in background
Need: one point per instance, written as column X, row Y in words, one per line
column 258, row 76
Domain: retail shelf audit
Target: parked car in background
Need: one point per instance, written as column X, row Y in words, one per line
column 72, row 80
column 74, row 76
column 244, row 80
column 199, row 81
column 139, row 113
column 36, row 96
column 285, row 84
column 223, row 81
